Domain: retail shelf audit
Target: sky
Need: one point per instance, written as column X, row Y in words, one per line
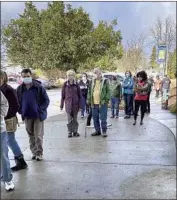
column 132, row 17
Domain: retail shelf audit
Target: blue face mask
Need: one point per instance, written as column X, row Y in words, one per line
column 27, row 80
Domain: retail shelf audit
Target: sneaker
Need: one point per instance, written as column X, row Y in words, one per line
column 9, row 186
column 108, row 125
column 96, row 134
column 39, row 158
column 88, row 125
column 33, row 157
column 117, row 117
column 104, row 134
column 69, row 135
column 76, row 134
column 82, row 116
column 125, row 117
column 141, row 123
column 112, row 117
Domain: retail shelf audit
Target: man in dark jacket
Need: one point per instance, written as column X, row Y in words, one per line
column 11, row 121
column 34, row 102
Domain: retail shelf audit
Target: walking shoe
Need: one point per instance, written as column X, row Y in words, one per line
column 39, row 158
column 134, row 123
column 76, row 134
column 82, row 116
column 96, row 134
column 128, row 116
column 108, row 125
column 117, row 117
column 69, row 135
column 9, row 186
column 88, row 125
column 33, row 157
column 141, row 123
column 112, row 117
column 20, row 164
column 125, row 117
column 104, row 134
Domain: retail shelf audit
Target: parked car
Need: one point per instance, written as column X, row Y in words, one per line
column 13, row 82
column 45, row 83
column 110, row 74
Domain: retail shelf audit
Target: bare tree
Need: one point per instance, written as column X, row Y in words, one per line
column 164, row 31
column 135, row 52
column 134, row 57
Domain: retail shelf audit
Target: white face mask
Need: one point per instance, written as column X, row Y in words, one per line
column 27, row 80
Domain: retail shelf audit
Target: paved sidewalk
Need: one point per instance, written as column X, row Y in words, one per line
column 133, row 162
column 165, row 117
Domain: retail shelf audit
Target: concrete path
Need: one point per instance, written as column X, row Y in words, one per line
column 163, row 116
column 133, row 162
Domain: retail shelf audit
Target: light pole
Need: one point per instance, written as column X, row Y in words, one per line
column 166, row 55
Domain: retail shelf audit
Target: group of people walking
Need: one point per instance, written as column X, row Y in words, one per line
column 91, row 97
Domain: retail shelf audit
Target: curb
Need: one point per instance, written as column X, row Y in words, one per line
column 166, row 127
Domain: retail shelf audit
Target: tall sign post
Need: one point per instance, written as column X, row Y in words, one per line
column 161, row 57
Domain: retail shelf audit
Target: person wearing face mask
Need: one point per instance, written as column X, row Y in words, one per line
column 141, row 89
column 127, row 86
column 84, row 84
column 34, row 101
column 72, row 97
column 98, row 98
column 12, row 121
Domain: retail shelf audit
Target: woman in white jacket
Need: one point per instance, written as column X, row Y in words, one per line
column 6, row 174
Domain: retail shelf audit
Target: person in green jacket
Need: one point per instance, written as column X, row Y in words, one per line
column 98, row 98
column 116, row 96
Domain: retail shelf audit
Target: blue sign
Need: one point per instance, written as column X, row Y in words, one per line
column 161, row 54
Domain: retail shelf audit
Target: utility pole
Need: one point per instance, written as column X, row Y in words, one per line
column 166, row 55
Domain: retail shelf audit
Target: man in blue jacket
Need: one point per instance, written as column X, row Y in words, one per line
column 34, row 102
column 127, row 86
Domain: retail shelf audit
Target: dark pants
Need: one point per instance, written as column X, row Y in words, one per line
column 115, row 106
column 89, row 116
column 138, row 104
column 128, row 101
column 84, row 106
column 100, row 113
column 73, row 124
column 148, row 102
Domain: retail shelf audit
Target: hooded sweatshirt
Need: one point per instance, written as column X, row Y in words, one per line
column 4, row 110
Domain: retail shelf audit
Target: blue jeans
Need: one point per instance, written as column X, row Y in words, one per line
column 100, row 113
column 128, row 99
column 5, row 163
column 12, row 143
column 115, row 105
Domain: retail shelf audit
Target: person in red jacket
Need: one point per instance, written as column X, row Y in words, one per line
column 141, row 95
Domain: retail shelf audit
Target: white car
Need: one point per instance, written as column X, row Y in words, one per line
column 13, row 83
column 110, row 74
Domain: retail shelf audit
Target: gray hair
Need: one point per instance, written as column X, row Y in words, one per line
column 97, row 70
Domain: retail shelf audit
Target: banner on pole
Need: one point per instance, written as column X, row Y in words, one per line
column 161, row 54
